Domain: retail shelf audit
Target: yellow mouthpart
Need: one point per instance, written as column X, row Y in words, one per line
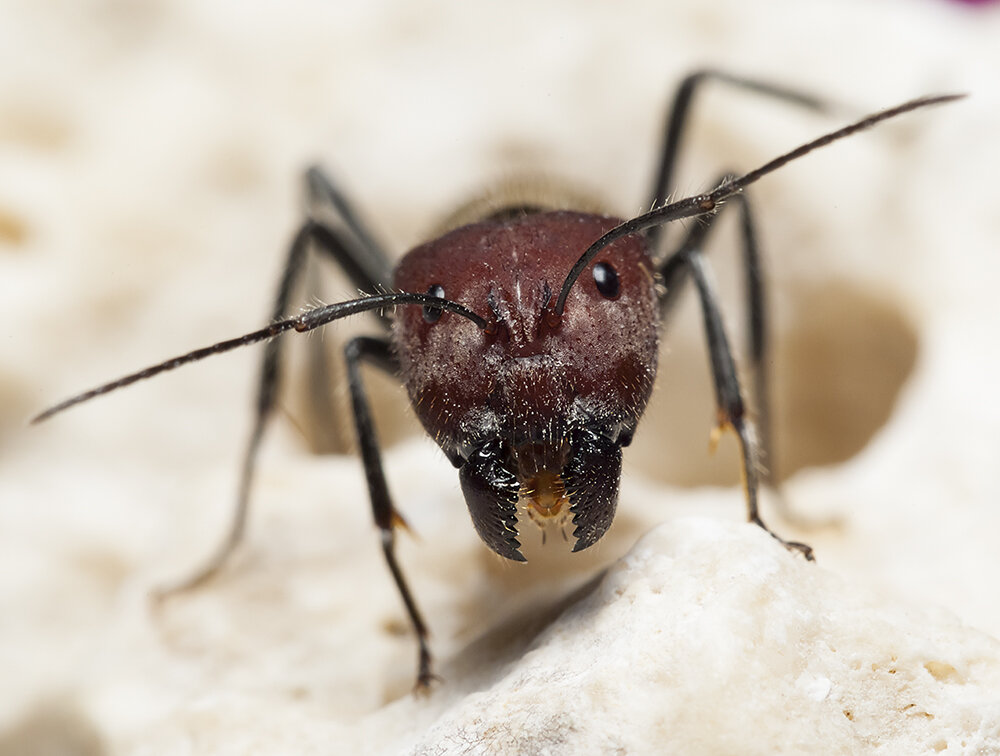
column 545, row 493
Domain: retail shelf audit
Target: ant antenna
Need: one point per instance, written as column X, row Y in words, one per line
column 305, row 322
column 700, row 204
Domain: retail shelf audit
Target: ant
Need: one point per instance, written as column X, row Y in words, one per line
column 529, row 375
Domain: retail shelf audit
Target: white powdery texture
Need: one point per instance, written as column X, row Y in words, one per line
column 706, row 638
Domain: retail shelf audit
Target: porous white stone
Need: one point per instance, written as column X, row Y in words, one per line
column 707, row 638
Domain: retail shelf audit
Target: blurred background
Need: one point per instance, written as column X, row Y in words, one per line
column 150, row 162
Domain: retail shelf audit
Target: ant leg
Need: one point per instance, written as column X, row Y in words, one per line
column 366, row 267
column 327, row 204
column 378, row 352
column 728, row 396
column 662, row 185
column 677, row 121
column 322, row 194
column 674, row 272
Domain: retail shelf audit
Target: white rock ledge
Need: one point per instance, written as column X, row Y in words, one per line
column 706, row 638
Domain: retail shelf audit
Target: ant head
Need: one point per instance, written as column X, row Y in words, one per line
column 527, row 377
column 535, row 408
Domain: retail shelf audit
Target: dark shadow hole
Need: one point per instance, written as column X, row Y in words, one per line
column 842, row 355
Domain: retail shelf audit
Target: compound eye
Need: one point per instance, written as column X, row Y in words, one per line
column 606, row 278
column 433, row 314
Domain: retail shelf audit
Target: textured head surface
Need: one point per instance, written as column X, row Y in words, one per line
column 538, row 392
column 523, row 380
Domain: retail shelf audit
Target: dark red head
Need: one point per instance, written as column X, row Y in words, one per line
column 536, row 407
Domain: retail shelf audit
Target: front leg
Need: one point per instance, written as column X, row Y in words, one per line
column 728, row 396
column 379, row 353
column 674, row 272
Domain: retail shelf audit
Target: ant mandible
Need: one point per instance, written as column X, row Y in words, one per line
column 530, row 376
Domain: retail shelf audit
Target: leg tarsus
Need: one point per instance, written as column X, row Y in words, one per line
column 208, row 570
column 745, row 434
column 237, row 526
column 426, row 679
column 805, row 549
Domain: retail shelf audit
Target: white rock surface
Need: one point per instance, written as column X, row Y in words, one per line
column 148, row 161
column 705, row 637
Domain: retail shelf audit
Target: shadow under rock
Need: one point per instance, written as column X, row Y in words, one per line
column 487, row 658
